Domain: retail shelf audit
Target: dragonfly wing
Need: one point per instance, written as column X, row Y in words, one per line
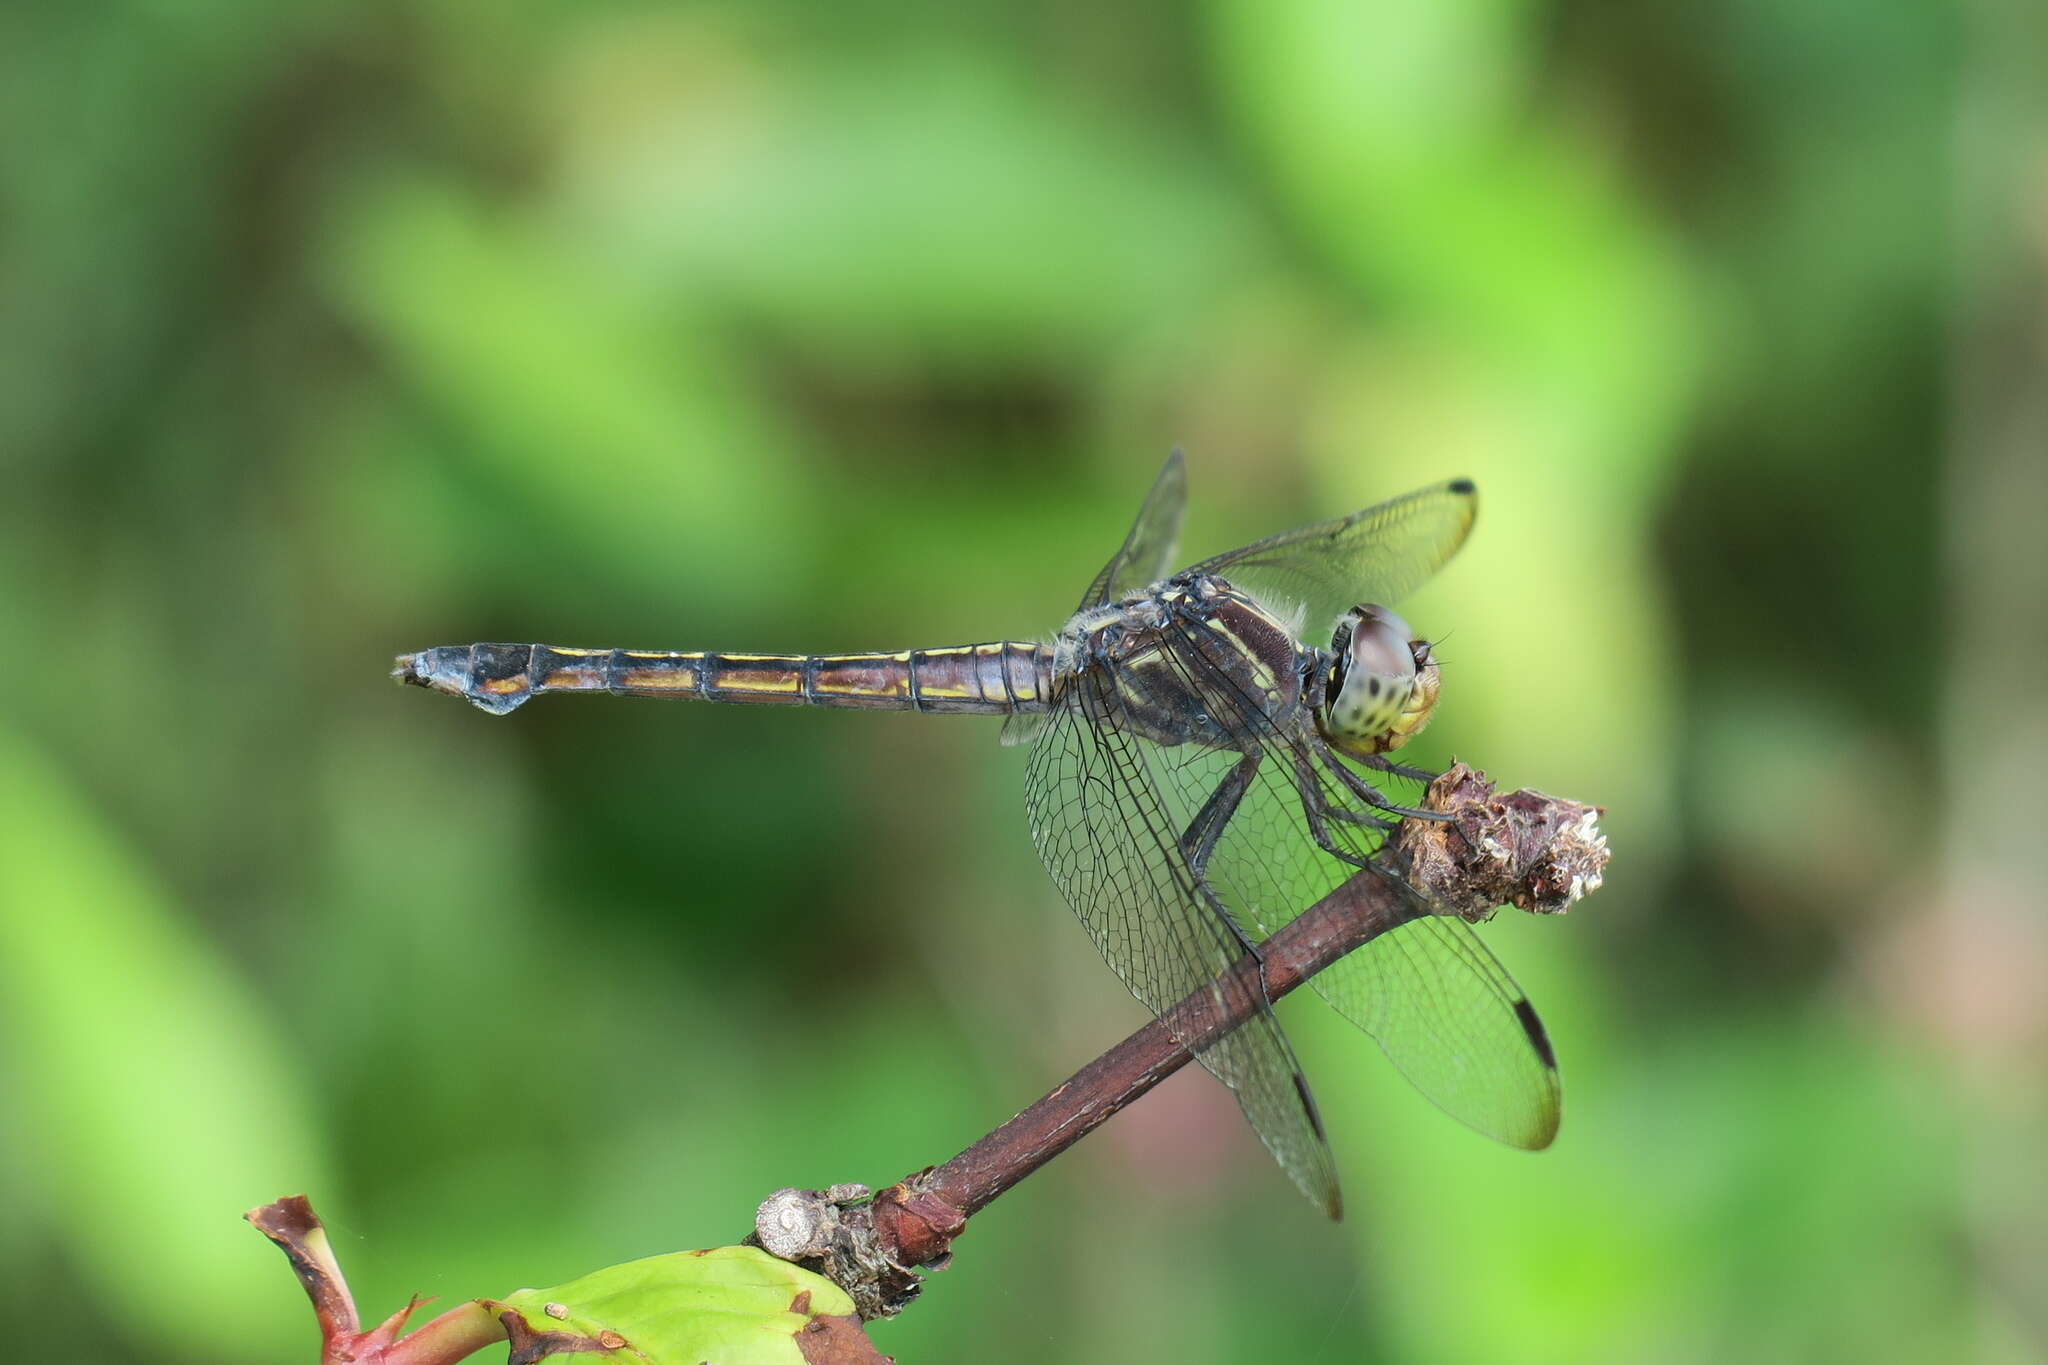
column 1452, row 1020
column 1111, row 841
column 1432, row 995
column 1145, row 557
column 1147, row 553
column 1380, row 555
column 1023, row 727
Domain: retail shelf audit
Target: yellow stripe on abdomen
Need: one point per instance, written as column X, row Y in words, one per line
column 855, row 680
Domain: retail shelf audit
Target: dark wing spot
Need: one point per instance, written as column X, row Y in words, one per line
column 1308, row 1102
column 1533, row 1026
column 1462, row 486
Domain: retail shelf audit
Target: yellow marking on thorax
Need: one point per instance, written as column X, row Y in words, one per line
column 1263, row 677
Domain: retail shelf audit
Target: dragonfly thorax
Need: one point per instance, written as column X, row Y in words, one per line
column 1192, row 661
column 1382, row 683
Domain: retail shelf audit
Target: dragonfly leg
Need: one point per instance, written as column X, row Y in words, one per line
column 1373, row 796
column 1207, row 827
column 1387, row 765
column 1317, row 810
column 1249, row 972
column 1356, row 817
column 1199, row 842
column 1305, row 779
column 1360, row 788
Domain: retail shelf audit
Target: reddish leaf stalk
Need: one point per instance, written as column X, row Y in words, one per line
column 457, row 1333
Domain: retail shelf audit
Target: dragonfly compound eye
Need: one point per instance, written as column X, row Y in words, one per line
column 1383, row 683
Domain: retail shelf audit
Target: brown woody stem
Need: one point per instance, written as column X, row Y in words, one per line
column 1480, row 851
column 1363, row 908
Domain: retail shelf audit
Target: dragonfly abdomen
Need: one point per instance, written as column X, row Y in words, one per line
column 998, row 678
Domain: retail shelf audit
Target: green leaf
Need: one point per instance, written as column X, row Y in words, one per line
column 730, row 1305
column 153, row 1093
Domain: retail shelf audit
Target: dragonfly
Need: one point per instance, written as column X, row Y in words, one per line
column 1209, row 755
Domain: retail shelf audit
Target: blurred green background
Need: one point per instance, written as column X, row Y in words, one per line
column 329, row 331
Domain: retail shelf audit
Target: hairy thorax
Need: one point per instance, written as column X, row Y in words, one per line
column 1190, row 661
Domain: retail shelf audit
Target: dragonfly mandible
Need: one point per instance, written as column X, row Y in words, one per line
column 1200, row 744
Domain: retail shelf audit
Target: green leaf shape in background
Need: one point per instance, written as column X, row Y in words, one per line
column 727, row 1306
column 155, row 1096
column 943, row 209
column 615, row 423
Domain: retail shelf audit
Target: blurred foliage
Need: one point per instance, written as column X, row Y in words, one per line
column 331, row 331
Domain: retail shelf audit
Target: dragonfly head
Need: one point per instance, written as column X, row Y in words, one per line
column 1382, row 686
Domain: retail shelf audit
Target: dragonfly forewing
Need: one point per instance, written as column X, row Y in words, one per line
column 1113, row 848
column 1143, row 559
column 1380, row 554
column 1148, row 551
column 1447, row 1014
